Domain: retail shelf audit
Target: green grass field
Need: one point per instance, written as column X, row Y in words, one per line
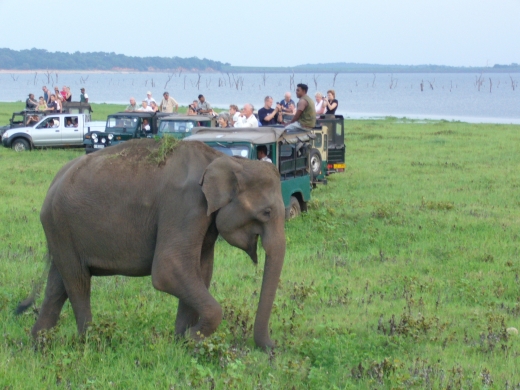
column 405, row 273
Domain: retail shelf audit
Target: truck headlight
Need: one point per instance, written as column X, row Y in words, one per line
column 110, row 137
column 103, row 140
column 94, row 137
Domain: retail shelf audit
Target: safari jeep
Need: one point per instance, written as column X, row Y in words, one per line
column 180, row 126
column 121, row 127
column 328, row 152
column 288, row 150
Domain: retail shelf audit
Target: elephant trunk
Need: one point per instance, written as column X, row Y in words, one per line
column 274, row 246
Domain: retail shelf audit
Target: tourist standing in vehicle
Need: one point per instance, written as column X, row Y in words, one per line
column 204, row 107
column 59, row 102
column 145, row 107
column 46, row 94
column 286, row 102
column 132, row 106
column 149, row 99
column 224, row 120
column 83, row 98
column 305, row 117
column 31, row 103
column 319, row 106
column 68, row 95
column 168, row 103
column 154, row 106
column 53, row 105
column 42, row 104
column 330, row 102
column 247, row 118
column 234, row 114
column 269, row 116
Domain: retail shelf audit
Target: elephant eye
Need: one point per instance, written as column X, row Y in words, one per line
column 267, row 213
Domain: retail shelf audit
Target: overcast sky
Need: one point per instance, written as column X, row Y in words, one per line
column 274, row 33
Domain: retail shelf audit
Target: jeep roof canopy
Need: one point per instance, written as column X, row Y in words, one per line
column 259, row 135
column 196, row 118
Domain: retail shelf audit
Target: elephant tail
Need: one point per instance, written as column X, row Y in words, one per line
column 36, row 288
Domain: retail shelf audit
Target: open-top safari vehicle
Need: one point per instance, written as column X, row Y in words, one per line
column 288, row 150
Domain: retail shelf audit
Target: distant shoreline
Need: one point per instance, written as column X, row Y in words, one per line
column 266, row 70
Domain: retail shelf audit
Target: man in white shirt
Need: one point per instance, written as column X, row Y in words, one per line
column 261, row 153
column 247, row 119
column 149, row 99
column 145, row 106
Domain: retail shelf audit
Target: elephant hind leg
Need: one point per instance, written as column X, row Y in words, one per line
column 55, row 297
column 187, row 317
column 78, row 290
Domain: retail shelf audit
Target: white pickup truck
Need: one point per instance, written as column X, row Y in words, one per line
column 52, row 130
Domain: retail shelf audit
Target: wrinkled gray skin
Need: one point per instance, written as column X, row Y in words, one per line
column 107, row 214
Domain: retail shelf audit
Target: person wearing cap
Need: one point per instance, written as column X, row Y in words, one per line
column 203, row 106
column 149, row 99
column 31, row 103
column 83, row 98
column 168, row 103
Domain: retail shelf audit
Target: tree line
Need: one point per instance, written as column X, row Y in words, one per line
column 42, row 59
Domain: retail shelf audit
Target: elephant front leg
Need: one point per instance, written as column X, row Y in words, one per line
column 187, row 316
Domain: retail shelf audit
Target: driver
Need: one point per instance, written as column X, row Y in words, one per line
column 146, row 127
column 261, row 153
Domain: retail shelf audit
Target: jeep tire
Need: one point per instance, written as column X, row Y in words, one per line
column 20, row 145
column 293, row 210
column 315, row 162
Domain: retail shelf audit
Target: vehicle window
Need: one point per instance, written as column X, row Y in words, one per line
column 116, row 123
column 176, row 126
column 18, row 119
column 233, row 150
column 318, row 141
column 49, row 122
column 71, row 121
column 286, row 152
column 339, row 129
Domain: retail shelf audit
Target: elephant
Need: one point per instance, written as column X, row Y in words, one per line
column 119, row 212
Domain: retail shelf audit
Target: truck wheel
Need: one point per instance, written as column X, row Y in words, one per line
column 315, row 158
column 20, row 145
column 293, row 210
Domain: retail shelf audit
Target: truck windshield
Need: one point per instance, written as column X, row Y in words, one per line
column 232, row 150
column 177, row 126
column 120, row 123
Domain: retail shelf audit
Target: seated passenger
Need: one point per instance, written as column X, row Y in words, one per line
column 146, row 127
column 31, row 103
column 32, row 119
column 223, row 120
column 261, row 153
column 42, row 105
column 286, row 102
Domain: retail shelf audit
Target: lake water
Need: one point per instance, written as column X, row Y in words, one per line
column 444, row 96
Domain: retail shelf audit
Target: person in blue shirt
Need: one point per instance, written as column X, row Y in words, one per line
column 269, row 116
column 286, row 103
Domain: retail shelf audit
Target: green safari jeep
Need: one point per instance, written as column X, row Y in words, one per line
column 288, row 150
column 180, row 126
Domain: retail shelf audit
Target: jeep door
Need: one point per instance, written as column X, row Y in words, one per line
column 47, row 132
column 70, row 133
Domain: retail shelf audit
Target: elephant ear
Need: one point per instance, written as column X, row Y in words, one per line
column 221, row 182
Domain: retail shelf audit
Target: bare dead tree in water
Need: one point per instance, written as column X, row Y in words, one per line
column 431, row 84
column 48, row 74
column 14, row 78
column 490, row 85
column 392, row 80
column 334, row 79
column 422, row 85
column 264, row 79
column 356, row 83
column 513, row 83
column 315, row 79
column 229, row 80
column 167, row 81
column 479, row 81
column 184, row 81
column 35, row 76
column 374, row 80
column 57, row 78
column 291, row 82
